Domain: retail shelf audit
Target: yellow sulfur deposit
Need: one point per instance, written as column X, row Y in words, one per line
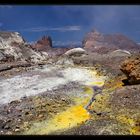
column 73, row 116
column 96, row 83
column 81, row 101
column 134, row 130
column 125, row 119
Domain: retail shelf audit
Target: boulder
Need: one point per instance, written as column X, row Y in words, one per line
column 68, row 58
column 120, row 53
column 131, row 68
column 75, row 52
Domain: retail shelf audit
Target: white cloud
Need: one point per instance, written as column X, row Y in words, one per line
column 6, row 6
column 60, row 29
column 61, row 43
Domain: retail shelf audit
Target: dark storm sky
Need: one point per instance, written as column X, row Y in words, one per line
column 70, row 23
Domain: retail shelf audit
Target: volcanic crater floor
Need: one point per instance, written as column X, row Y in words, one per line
column 51, row 100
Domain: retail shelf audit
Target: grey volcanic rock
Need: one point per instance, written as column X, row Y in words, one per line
column 10, row 43
column 14, row 48
column 127, row 96
column 65, row 61
column 2, row 57
column 103, row 43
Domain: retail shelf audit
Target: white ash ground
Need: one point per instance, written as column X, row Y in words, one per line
column 28, row 85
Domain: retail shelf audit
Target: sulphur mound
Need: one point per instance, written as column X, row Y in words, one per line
column 73, row 116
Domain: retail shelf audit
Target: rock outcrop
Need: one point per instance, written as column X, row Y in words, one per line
column 45, row 43
column 14, row 48
column 103, row 43
column 131, row 68
column 68, row 58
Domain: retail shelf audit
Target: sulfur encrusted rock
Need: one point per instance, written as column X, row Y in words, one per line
column 131, row 68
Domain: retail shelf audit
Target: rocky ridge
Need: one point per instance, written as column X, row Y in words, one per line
column 14, row 48
column 103, row 43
